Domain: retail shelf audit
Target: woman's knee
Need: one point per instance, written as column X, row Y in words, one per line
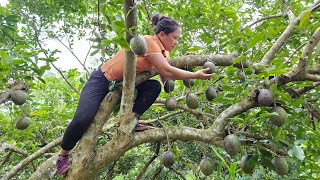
column 154, row 85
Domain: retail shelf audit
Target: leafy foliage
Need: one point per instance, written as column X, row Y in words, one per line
column 209, row 27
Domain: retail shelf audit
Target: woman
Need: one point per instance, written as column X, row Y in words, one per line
column 167, row 34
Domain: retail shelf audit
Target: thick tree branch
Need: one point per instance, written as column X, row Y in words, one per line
column 296, row 93
column 30, row 158
column 195, row 60
column 109, row 152
column 307, row 52
column 236, row 109
column 283, row 38
column 129, row 76
column 12, row 148
column 87, row 144
column 315, row 70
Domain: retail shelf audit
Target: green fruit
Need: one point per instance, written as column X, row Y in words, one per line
column 245, row 165
column 232, row 144
column 23, row 123
column 167, row 159
column 138, row 45
column 265, row 97
column 280, row 165
column 169, row 86
column 192, row 101
column 18, row 97
column 207, row 166
column 211, row 66
column 171, row 103
column 210, row 93
column 188, row 83
column 279, row 119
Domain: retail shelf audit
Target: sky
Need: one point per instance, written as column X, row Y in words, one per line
column 66, row 59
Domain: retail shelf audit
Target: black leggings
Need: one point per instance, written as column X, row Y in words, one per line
column 92, row 95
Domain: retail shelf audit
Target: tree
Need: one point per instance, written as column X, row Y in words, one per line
column 264, row 45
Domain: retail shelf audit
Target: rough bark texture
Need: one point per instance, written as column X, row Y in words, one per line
column 129, row 76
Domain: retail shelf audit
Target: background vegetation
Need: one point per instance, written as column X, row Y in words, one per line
column 250, row 28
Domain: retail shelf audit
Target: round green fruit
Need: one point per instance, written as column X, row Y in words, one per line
column 265, row 97
column 23, row 123
column 167, row 159
column 207, row 166
column 279, row 119
column 192, row 101
column 171, row 103
column 245, row 166
column 138, row 45
column 18, row 97
column 169, row 86
column 232, row 144
column 188, row 83
column 211, row 66
column 280, row 165
column 210, row 93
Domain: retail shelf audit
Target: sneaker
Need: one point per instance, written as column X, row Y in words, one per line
column 63, row 165
column 140, row 127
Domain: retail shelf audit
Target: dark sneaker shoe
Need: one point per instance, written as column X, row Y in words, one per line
column 63, row 165
column 140, row 127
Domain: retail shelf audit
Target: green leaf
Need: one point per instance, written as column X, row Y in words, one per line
column 3, row 55
column 221, row 158
column 298, row 152
column 228, row 88
column 95, row 52
column 219, row 169
column 304, row 18
column 239, row 59
column 18, row 47
column 233, row 168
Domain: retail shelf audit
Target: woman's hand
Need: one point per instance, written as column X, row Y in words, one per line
column 203, row 74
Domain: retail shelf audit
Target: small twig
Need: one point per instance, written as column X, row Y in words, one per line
column 144, row 169
column 160, row 118
column 177, row 172
column 262, row 19
column 157, row 172
column 6, row 159
column 268, row 147
column 251, row 135
column 99, row 25
column 203, row 144
column 287, row 61
column 111, row 170
column 70, row 50
column 85, row 59
column 39, row 44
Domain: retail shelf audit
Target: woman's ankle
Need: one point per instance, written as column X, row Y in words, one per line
column 64, row 152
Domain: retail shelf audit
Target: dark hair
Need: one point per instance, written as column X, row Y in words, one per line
column 164, row 23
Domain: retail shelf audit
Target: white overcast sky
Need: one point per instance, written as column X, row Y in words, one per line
column 66, row 59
